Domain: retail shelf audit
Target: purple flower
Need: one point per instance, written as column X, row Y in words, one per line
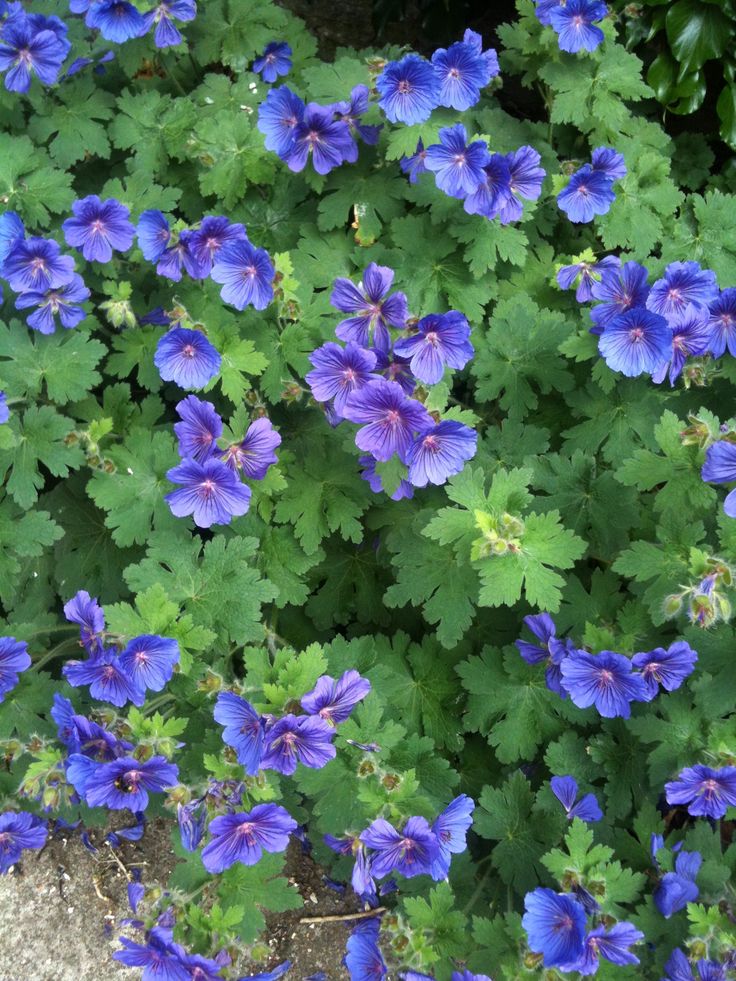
column 18, row 832
column 363, row 958
column 707, row 792
column 61, row 302
column 720, row 468
column 565, row 790
column 318, row 134
column 246, row 274
column 28, row 49
column 620, row 290
column 106, row 679
column 457, row 166
column 163, row 16
column 62, row 712
column 588, row 193
column 375, row 310
column 173, row 258
column 451, row 828
column 468, row 976
column 211, row 492
column 409, row 90
column 339, row 372
column 255, row 453
column 609, row 162
column 191, row 819
column 36, row 264
column 278, row 118
column 214, row 232
column 440, row 452
column 14, row 658
column 351, row 111
column 99, row 227
column 635, row 342
column 690, row 337
column 244, row 729
column 244, row 837
column 275, row 61
column 199, row 429
column 388, row 418
column 555, row 926
column 154, row 234
column 668, row 668
column 393, row 368
column 333, row 700
column 278, row 972
column 526, row 182
column 544, row 8
column 574, row 24
column 683, row 283
column 722, row 322
column 410, row 852
column 440, row 339
column 368, row 463
column 4, row 410
column 126, row 782
column 493, row 192
column 87, row 612
column 612, row 944
column 414, row 165
column 295, row 739
column 676, row 889
column 584, row 273
column 116, row 20
column 604, row 680
column 149, row 661
column 11, row 231
column 160, row 957
column 552, row 650
column 678, row 968
column 463, row 70
column 92, row 741
column 187, row 358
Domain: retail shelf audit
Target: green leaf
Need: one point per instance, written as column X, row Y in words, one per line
column 65, row 363
column 76, row 121
column 255, row 888
column 40, row 440
column 29, row 184
column 697, row 32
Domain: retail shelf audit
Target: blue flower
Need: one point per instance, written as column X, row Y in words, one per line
column 555, row 926
column 244, row 837
column 552, row 650
column 149, row 661
column 589, row 193
column 604, row 680
column 335, row 700
column 388, row 418
column 526, row 182
column 451, row 828
column 612, row 944
column 211, row 492
column 244, row 729
column 707, row 792
column 127, row 782
column 411, row 852
column 620, row 289
column 160, row 957
column 374, row 311
column 278, row 118
column 676, row 889
column 305, row 739
column 28, row 49
column 339, row 372
column 214, row 232
column 351, row 111
column 565, row 790
column 463, row 70
column 11, row 231
column 363, row 958
column 609, row 162
column 414, row 165
column 106, row 679
column 255, row 453
column 14, row 658
column 574, row 24
column 275, row 61
column 544, row 8
column 368, row 463
column 199, row 429
column 457, row 166
column 187, row 358
column 19, row 831
column 440, row 452
column 635, row 342
column 191, row 819
column 163, row 16
column 409, row 90
column 87, row 612
column 36, row 264
column 586, row 274
column 154, row 234
column 116, row 20
column 493, row 192
column 173, row 258
column 683, row 283
column 440, row 339
column 98, row 228
column 691, row 336
column 278, row 972
column 4, row 410
column 62, row 302
column 668, row 668
column 246, row 274
column 678, row 968
column 720, row 468
column 328, row 141
column 722, row 322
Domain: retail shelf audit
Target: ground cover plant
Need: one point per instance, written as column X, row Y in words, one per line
column 362, row 443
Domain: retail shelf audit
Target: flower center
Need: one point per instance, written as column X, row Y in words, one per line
column 636, row 335
column 430, row 442
column 188, row 351
column 208, row 487
column 459, row 159
column 349, row 376
column 710, row 788
column 454, row 73
column 38, row 265
column 245, row 830
column 578, row 22
column 250, row 272
column 404, row 87
column 128, row 782
column 606, row 677
column 97, row 227
column 393, row 417
column 432, row 338
column 141, row 657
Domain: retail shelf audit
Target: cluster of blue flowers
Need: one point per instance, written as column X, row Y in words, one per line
column 371, row 380
column 574, row 22
column 590, row 189
column 212, row 489
column 36, row 45
column 606, row 680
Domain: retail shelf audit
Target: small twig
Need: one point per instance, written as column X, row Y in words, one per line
column 366, row 914
column 105, row 899
column 127, row 874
